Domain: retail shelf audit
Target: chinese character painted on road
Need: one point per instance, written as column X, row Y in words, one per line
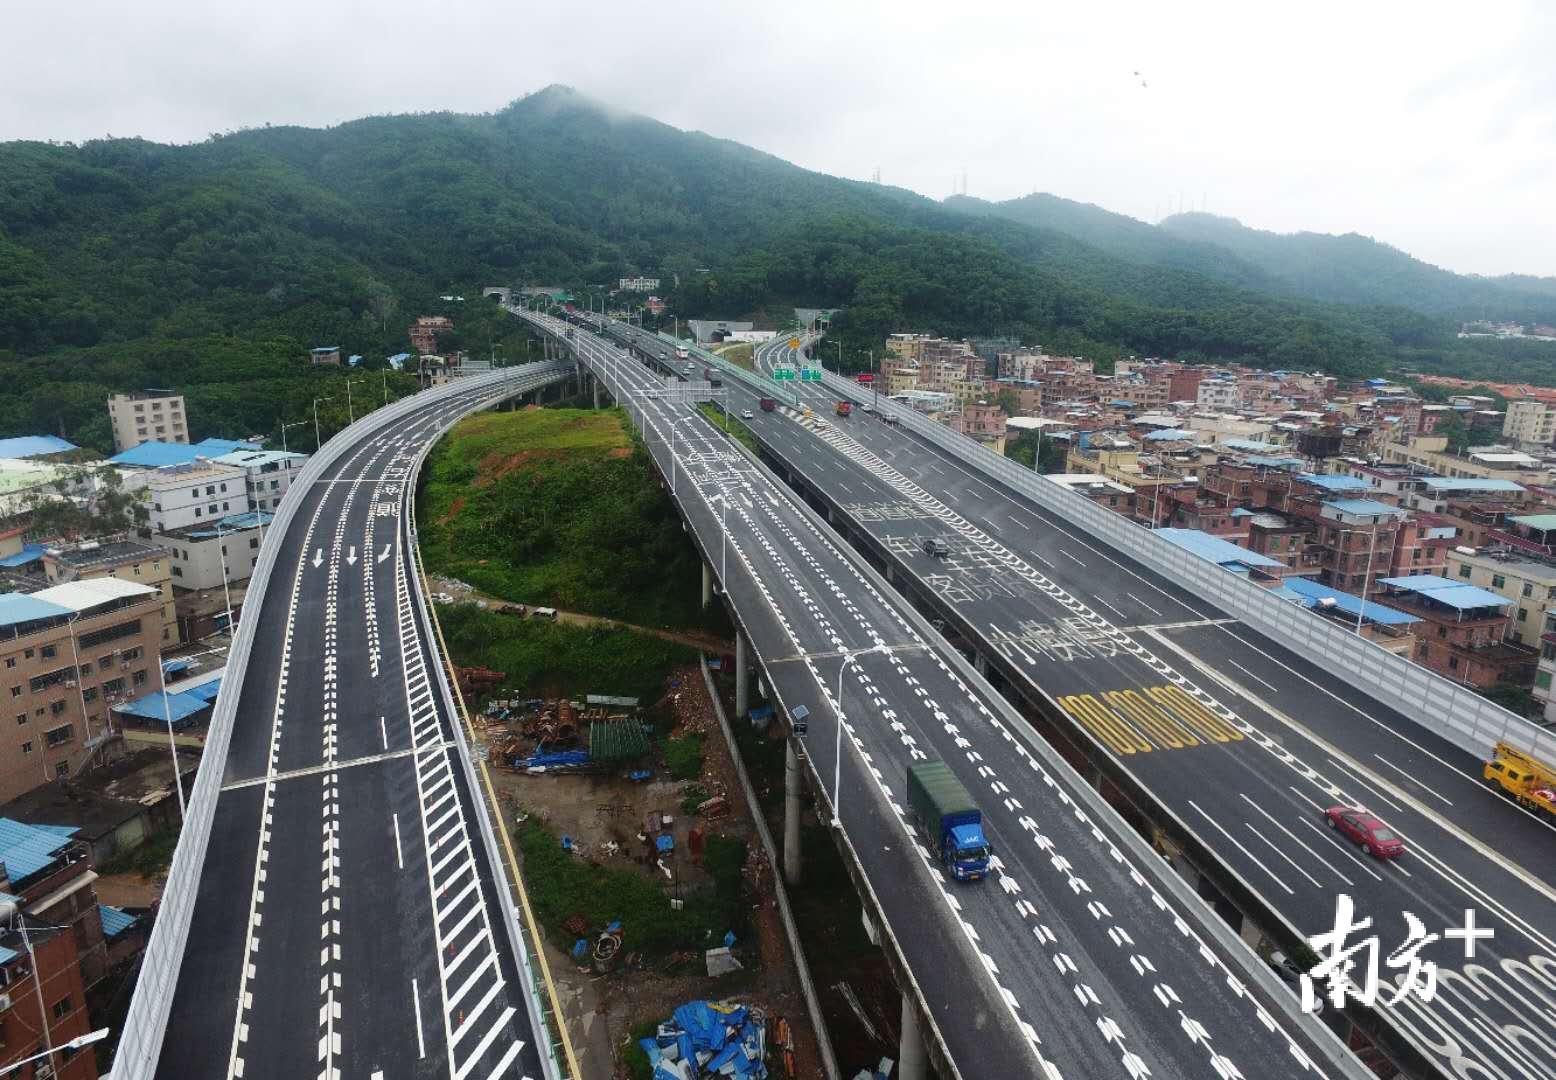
column 1337, row 959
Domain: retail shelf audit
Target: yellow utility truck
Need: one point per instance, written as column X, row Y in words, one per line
column 1531, row 782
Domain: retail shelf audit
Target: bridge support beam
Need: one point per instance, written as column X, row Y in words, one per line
column 911, row 1057
column 742, row 671
column 981, row 664
column 595, row 382
column 707, row 586
column 793, row 792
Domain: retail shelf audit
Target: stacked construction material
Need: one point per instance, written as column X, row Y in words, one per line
column 708, row 1039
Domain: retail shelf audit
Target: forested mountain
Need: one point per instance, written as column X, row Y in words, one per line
column 126, row 263
column 1354, row 269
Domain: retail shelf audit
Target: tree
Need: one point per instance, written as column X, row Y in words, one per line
column 1453, row 428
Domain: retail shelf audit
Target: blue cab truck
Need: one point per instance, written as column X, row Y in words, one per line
column 950, row 819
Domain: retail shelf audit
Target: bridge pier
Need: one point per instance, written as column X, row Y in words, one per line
column 793, row 792
column 707, row 586
column 981, row 664
column 595, row 382
column 911, row 1057
column 742, row 671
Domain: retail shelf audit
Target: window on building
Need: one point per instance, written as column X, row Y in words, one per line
column 1464, row 570
column 197, row 511
column 26, row 654
column 21, row 717
column 210, row 489
column 1453, row 663
column 137, row 569
column 1523, row 614
column 61, row 770
column 62, row 734
column 56, row 707
column 16, row 691
column 113, row 686
column 89, row 694
column 139, row 678
column 224, row 487
column 10, row 661
column 253, row 543
column 26, row 747
column 1542, row 680
column 178, row 572
column 104, row 663
column 1528, row 588
column 1442, row 631
column 1498, row 581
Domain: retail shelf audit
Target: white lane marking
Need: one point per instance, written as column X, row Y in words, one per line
column 1072, row 558
column 1283, row 855
column 384, row 554
column 421, row 1043
column 1250, row 674
column 1107, row 605
column 1294, row 837
column 318, row 557
column 399, row 856
column 1356, row 779
column 974, row 492
column 1143, row 604
column 1238, row 845
column 1412, row 779
column 383, row 732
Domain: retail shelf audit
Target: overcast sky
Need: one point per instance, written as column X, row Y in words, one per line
column 1429, row 126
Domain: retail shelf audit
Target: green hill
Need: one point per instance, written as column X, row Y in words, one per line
column 126, row 263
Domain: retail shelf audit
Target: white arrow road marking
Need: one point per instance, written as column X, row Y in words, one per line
column 318, row 557
column 352, row 558
column 385, row 554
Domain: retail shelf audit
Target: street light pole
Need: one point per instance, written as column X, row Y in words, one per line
column 221, row 547
column 74, row 1044
column 1361, row 609
column 317, row 442
column 172, row 744
column 837, row 746
column 350, row 412
column 284, row 426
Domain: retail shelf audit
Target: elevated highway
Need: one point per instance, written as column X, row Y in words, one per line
column 1084, row 955
column 334, row 908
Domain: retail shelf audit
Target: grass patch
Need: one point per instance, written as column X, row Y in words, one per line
column 560, row 507
column 683, row 757
column 740, row 354
column 562, row 885
column 554, row 657
column 632, row 1055
column 737, row 429
column 152, row 857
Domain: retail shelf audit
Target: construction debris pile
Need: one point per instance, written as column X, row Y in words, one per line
column 706, row 1039
column 542, row 736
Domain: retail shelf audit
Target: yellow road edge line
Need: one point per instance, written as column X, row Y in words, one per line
column 516, row 876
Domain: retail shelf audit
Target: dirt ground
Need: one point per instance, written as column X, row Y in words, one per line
column 598, row 811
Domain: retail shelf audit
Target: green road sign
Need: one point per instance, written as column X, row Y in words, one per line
column 810, row 375
column 781, row 374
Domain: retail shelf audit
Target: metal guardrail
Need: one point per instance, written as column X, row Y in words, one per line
column 145, row 1024
column 1460, row 715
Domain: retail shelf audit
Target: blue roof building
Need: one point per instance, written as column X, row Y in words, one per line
column 159, row 455
column 1335, row 483
column 21, row 615
column 26, row 850
column 28, row 446
column 1224, row 553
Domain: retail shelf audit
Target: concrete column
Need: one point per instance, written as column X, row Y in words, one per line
column 981, row 664
column 707, row 586
column 742, row 674
column 912, row 1061
column 595, row 382
column 793, row 789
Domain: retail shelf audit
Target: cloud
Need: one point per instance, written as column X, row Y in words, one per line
column 1429, row 130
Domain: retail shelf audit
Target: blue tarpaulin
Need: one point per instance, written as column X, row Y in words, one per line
column 115, row 922
column 179, row 706
column 703, row 1039
column 560, row 759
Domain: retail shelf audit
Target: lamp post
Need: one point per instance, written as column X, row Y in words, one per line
column 385, row 373
column 1361, row 609
column 284, row 426
column 172, row 744
column 74, row 1044
column 221, row 547
column 317, row 442
column 349, row 410
column 837, row 746
column 11, row 911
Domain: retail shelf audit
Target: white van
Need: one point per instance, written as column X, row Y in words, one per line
column 544, row 613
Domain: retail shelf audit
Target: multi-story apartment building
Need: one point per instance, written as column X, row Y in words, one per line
column 1546, row 666
column 122, row 558
column 1530, row 424
column 42, row 962
column 1486, row 463
column 425, row 330
column 1462, row 630
column 1099, row 489
column 68, row 653
column 1528, row 584
column 267, row 474
column 983, row 422
column 216, row 554
column 898, row 376
column 147, row 415
column 1355, row 539
column 906, row 346
column 1219, row 393
column 1421, row 545
column 192, row 493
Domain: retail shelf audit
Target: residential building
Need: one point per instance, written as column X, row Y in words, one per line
column 267, row 474
column 1218, row 393
column 1227, row 555
column 1530, row 424
column 1285, row 541
column 178, row 496
column 1528, row 584
column 325, row 355
column 1385, row 626
column 147, row 415
column 124, row 559
column 1099, row 489
column 67, row 654
column 982, row 422
column 1546, row 666
column 1486, row 463
column 158, row 455
column 1461, row 635
column 426, row 330
column 27, row 483
column 1355, row 539
column 216, row 553
column 637, row 284
column 1421, row 545
column 898, row 376
column 42, row 961
column 906, row 346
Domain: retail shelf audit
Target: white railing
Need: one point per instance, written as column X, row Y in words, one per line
column 1456, row 713
column 146, row 1022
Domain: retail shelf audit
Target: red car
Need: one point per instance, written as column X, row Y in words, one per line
column 1375, row 838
